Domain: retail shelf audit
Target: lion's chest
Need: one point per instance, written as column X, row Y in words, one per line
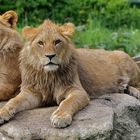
column 54, row 88
column 50, row 85
column 50, row 89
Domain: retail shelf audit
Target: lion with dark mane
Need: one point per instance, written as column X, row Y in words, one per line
column 54, row 72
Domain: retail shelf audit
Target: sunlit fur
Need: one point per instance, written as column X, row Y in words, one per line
column 75, row 75
column 10, row 46
column 47, row 33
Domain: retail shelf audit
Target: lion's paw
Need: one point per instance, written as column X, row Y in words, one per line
column 61, row 119
column 134, row 92
column 5, row 115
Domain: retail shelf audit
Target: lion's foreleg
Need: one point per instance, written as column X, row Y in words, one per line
column 25, row 100
column 75, row 100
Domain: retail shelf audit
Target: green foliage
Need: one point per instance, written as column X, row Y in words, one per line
column 111, row 13
column 93, row 35
column 109, row 24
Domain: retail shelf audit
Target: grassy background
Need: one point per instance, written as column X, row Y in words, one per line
column 93, row 35
column 108, row 24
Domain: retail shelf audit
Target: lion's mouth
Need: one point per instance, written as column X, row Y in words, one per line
column 51, row 64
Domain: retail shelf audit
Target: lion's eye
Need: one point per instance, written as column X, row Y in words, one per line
column 40, row 43
column 57, row 41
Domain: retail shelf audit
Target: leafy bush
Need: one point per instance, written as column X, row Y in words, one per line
column 93, row 35
column 112, row 14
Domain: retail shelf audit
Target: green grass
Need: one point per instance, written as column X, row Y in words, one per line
column 93, row 35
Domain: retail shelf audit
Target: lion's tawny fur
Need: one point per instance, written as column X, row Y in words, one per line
column 54, row 72
column 10, row 46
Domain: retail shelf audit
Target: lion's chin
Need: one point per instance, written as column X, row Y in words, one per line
column 51, row 67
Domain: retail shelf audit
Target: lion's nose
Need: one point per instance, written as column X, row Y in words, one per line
column 50, row 56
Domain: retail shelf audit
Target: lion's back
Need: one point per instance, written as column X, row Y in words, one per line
column 102, row 71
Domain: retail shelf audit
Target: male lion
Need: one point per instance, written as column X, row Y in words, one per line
column 53, row 71
column 10, row 46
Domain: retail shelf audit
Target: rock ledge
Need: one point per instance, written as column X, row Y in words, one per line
column 110, row 117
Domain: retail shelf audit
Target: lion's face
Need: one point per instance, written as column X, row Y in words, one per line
column 49, row 44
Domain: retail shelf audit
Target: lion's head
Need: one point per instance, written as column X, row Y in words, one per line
column 48, row 46
column 10, row 40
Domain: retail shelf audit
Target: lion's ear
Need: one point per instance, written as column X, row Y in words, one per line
column 67, row 29
column 9, row 18
column 28, row 32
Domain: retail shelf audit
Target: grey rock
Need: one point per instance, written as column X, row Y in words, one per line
column 110, row 117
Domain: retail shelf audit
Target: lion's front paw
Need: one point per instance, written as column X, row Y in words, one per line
column 61, row 119
column 5, row 115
